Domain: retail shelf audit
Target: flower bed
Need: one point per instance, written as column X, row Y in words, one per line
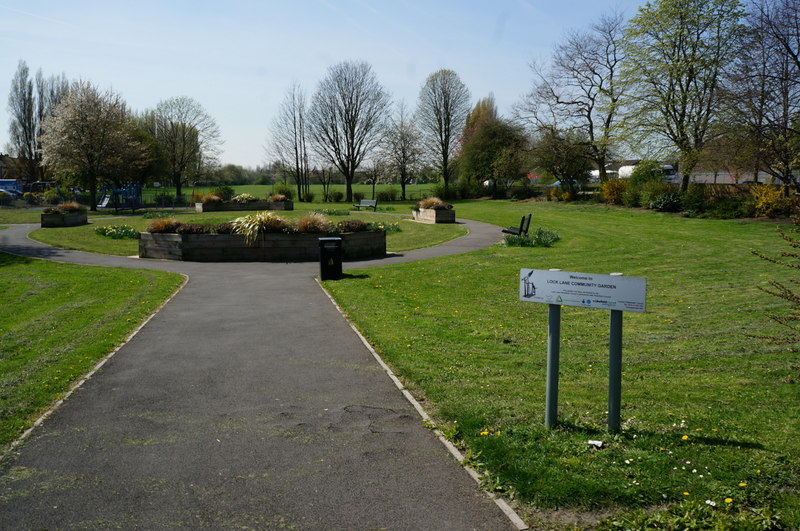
column 276, row 247
column 434, row 210
column 250, row 205
column 64, row 215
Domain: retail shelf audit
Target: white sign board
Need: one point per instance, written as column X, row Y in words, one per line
column 587, row 290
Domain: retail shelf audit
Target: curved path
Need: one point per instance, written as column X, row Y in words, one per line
column 247, row 401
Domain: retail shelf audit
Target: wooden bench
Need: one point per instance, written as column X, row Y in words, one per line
column 522, row 230
column 367, row 203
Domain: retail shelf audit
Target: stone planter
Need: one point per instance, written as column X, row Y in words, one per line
column 268, row 248
column 429, row 215
column 65, row 219
column 280, row 205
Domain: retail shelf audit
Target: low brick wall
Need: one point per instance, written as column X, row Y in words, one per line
column 67, row 219
column 269, row 248
column 253, row 205
column 429, row 215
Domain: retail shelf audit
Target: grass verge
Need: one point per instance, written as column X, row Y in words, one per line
column 64, row 321
column 83, row 238
column 710, row 414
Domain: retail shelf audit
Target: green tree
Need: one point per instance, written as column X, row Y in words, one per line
column 564, row 155
column 676, row 52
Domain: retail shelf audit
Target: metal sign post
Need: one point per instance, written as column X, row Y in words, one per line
column 614, row 292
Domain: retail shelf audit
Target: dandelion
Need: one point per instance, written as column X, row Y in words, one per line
column 485, row 432
column 742, row 484
column 685, row 493
column 685, row 437
column 728, row 500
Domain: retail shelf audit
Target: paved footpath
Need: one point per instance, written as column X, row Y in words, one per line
column 246, row 402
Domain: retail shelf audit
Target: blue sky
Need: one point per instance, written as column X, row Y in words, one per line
column 238, row 58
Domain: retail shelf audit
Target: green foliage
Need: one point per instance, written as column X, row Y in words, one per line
column 658, row 195
column 283, row 189
column 387, row 195
column 647, row 171
column 358, row 196
column 694, row 198
column 51, row 196
column 769, row 201
column 118, row 232
column 486, row 144
column 251, row 226
column 224, row 192
column 563, row 155
column 731, row 208
column 632, row 196
column 163, row 226
column 540, row 238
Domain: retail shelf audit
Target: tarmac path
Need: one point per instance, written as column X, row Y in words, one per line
column 246, row 402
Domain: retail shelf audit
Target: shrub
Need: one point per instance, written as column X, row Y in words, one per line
column 647, row 171
column 163, row 226
column 334, row 196
column 276, row 198
column 261, row 222
column 612, row 191
column 225, row 192
column 631, row 197
column 243, row 199
column 164, row 200
column 541, row 238
column 225, row 227
column 63, row 208
column 352, row 225
column 667, row 201
column 438, row 190
column 314, row 224
column 332, row 212
column 51, row 196
column 769, row 202
column 358, row 196
column 434, row 203
column 650, row 190
column 32, row 198
column 118, row 232
column 470, row 189
column 308, row 197
column 390, row 194
column 211, row 199
column 731, row 208
column 283, row 189
column 196, row 197
column 193, row 228
column 694, row 198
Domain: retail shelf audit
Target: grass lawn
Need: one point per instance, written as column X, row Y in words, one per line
column 709, row 413
column 65, row 320
column 412, row 235
column 413, row 192
column 30, row 215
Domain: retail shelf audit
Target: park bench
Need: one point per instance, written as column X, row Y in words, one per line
column 367, row 203
column 522, row 230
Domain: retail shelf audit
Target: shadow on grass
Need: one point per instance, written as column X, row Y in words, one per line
column 599, row 433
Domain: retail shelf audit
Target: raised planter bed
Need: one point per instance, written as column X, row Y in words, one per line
column 64, row 219
column 268, row 248
column 430, row 215
column 252, row 205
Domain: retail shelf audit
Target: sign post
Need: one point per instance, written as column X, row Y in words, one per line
column 613, row 292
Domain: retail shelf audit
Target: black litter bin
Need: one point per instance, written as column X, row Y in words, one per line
column 330, row 258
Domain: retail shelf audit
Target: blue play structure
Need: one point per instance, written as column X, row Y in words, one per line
column 128, row 196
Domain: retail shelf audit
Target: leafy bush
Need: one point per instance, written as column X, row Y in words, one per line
column 612, row 191
column 470, row 189
column 769, row 201
column 283, row 189
column 332, row 212
column 243, row 199
column 211, row 199
column 434, row 203
column 314, row 224
column 225, row 192
column 694, row 198
column 731, row 208
column 631, row 197
column 164, row 200
column 390, row 194
column 308, row 197
column 334, row 196
column 225, row 227
column 522, row 191
column 645, row 172
column 276, row 198
column 261, row 222
column 352, row 225
column 540, row 238
column 163, row 226
column 193, row 228
column 667, row 201
column 32, row 198
column 118, row 232
column 649, row 190
column 51, row 196
column 358, row 196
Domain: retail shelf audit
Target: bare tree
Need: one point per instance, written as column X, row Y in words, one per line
column 402, row 147
column 441, row 115
column 89, row 136
column 289, row 132
column 581, row 90
column 764, row 88
column 188, row 135
column 29, row 103
column 676, row 52
column 347, row 117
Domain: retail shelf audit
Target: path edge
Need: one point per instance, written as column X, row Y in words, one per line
column 510, row 513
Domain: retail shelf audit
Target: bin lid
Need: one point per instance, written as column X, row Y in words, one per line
column 330, row 239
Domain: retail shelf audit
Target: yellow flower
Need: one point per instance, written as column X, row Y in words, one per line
column 685, row 437
column 728, row 500
column 485, row 432
column 685, row 493
column 742, row 484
